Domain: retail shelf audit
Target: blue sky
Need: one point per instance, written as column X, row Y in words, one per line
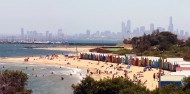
column 76, row 16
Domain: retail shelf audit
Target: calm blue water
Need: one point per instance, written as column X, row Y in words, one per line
column 95, row 41
column 45, row 82
column 18, row 50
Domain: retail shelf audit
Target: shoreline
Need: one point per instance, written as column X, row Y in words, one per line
column 93, row 66
column 97, row 69
column 69, row 48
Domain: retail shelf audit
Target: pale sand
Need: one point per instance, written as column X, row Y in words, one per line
column 70, row 48
column 92, row 65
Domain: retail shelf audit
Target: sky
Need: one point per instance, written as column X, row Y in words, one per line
column 76, row 16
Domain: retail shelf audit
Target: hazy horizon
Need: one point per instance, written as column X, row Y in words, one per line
column 77, row 16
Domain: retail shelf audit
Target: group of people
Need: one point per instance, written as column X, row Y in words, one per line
column 157, row 75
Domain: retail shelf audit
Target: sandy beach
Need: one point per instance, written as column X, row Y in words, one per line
column 70, row 48
column 97, row 70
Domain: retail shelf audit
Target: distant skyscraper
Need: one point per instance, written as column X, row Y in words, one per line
column 151, row 28
column 22, row 32
column 181, row 33
column 59, row 32
column 142, row 29
column 170, row 27
column 88, row 32
column 128, row 27
column 47, row 35
column 97, row 33
column 161, row 29
column 123, row 28
column 186, row 34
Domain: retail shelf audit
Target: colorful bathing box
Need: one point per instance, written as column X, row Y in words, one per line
column 178, row 67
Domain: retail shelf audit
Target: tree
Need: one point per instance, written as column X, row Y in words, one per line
column 164, row 40
column 108, row 86
column 168, row 89
column 187, row 42
column 12, row 82
column 87, row 86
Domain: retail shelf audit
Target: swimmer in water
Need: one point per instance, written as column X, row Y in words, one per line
column 62, row 78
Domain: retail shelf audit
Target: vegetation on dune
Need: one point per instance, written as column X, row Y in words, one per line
column 124, row 51
column 122, row 86
column 13, row 82
column 163, row 44
column 108, row 86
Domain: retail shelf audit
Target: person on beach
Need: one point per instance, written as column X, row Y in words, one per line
column 113, row 76
column 134, row 76
column 62, row 78
column 154, row 76
column 97, row 71
column 125, row 74
column 88, row 70
column 144, row 69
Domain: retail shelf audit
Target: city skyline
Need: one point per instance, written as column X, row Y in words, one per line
column 77, row 16
column 126, row 32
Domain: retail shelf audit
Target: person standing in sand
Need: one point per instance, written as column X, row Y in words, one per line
column 154, row 76
column 88, row 70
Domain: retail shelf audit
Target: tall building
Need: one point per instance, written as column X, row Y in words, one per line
column 186, row 34
column 87, row 32
column 151, row 28
column 170, row 27
column 181, row 33
column 123, row 28
column 59, row 32
column 47, row 35
column 22, row 32
column 128, row 27
column 142, row 29
column 161, row 29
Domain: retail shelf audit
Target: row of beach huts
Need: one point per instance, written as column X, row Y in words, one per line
column 178, row 67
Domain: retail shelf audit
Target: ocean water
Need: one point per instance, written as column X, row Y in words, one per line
column 18, row 50
column 45, row 82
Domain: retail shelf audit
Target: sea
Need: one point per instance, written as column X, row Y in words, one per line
column 43, row 79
